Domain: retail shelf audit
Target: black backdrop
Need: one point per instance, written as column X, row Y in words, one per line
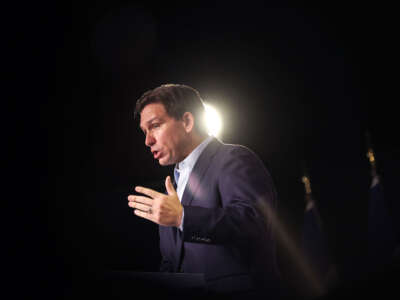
column 296, row 85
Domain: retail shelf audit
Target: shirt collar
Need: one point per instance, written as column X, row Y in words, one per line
column 189, row 162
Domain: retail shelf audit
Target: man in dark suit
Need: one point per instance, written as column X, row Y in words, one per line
column 218, row 217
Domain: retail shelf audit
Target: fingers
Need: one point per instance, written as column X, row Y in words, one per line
column 143, row 214
column 169, row 186
column 142, row 207
column 146, row 191
column 140, row 199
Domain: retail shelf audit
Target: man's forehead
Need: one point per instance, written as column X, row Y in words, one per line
column 151, row 112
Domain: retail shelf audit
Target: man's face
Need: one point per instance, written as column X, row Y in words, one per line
column 165, row 135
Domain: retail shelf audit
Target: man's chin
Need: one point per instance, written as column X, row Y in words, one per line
column 164, row 162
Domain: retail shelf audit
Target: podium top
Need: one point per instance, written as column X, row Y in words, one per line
column 160, row 279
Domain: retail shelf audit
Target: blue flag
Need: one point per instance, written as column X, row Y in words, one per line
column 381, row 233
column 314, row 243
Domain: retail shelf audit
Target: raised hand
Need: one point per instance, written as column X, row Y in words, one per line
column 159, row 208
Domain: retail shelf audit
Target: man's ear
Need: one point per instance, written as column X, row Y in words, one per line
column 188, row 121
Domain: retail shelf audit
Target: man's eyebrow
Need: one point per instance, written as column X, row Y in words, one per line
column 149, row 121
column 153, row 119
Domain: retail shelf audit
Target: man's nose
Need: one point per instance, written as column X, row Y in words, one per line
column 150, row 140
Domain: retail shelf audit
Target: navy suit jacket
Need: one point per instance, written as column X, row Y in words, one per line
column 230, row 206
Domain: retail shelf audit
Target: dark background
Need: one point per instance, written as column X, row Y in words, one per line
column 299, row 86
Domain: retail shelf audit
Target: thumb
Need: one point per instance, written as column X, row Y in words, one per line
column 169, row 186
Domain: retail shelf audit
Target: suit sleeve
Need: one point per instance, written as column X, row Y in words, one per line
column 247, row 197
column 166, row 265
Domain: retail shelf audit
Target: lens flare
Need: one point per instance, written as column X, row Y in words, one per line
column 213, row 120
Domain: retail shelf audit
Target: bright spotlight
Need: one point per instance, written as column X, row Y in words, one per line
column 213, row 120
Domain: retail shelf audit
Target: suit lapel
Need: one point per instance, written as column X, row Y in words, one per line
column 199, row 170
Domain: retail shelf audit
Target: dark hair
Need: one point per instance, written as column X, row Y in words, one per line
column 177, row 99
